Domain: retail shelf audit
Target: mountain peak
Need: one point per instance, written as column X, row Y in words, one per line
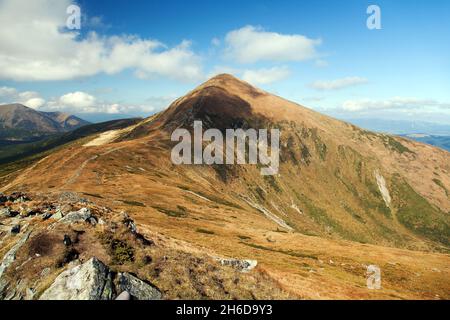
column 231, row 84
column 25, row 121
column 224, row 79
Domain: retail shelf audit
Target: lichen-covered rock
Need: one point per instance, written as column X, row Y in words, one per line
column 89, row 281
column 124, row 296
column 5, row 212
column 58, row 215
column 81, row 215
column 137, row 288
column 9, row 258
column 241, row 265
column 94, row 281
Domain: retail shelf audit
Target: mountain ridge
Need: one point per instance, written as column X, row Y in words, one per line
column 20, row 122
column 337, row 184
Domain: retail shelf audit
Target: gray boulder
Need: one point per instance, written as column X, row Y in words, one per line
column 10, row 256
column 58, row 215
column 5, row 212
column 8, row 213
column 137, row 288
column 124, row 296
column 81, row 215
column 241, row 265
column 93, row 280
column 89, row 281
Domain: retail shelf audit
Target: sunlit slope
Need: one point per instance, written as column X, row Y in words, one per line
column 335, row 179
column 336, row 182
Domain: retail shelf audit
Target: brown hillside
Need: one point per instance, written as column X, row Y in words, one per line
column 344, row 197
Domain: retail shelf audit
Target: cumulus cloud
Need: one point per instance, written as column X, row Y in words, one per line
column 79, row 102
column 82, row 102
column 34, row 46
column 252, row 44
column 7, row 91
column 28, row 98
column 34, row 103
column 392, row 103
column 338, row 83
column 265, row 76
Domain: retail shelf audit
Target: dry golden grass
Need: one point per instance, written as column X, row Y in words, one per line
column 335, row 192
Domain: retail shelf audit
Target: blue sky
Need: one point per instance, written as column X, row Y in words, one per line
column 136, row 57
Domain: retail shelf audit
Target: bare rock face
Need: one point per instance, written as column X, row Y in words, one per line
column 9, row 258
column 5, row 212
column 81, row 215
column 94, row 281
column 137, row 288
column 89, row 281
column 241, row 265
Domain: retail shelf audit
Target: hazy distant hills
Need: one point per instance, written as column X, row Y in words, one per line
column 20, row 123
column 438, row 141
column 426, row 132
column 401, row 127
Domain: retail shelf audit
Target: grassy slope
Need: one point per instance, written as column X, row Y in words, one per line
column 19, row 151
column 328, row 178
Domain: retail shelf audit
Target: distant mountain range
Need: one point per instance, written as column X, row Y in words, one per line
column 427, row 132
column 19, row 123
column 438, row 141
column 401, row 127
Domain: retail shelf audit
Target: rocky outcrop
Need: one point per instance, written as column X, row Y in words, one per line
column 79, row 250
column 137, row 288
column 89, row 281
column 81, row 215
column 94, row 281
column 242, row 265
column 9, row 258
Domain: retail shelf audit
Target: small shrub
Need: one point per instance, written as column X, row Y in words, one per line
column 200, row 230
column 180, row 212
column 133, row 203
column 120, row 251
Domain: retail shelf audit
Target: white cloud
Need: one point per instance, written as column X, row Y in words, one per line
column 82, row 102
column 251, row 44
column 392, row 103
column 77, row 100
column 34, row 103
column 28, row 98
column 338, row 83
column 265, row 76
column 34, row 47
column 7, row 91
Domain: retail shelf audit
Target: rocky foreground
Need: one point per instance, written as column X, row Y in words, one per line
column 64, row 247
